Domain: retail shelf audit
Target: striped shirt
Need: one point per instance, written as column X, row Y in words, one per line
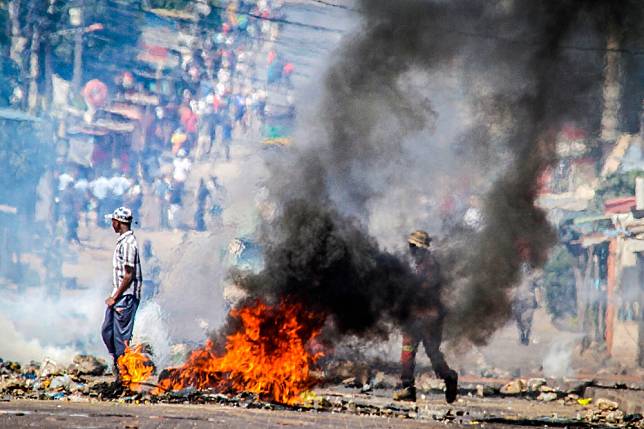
column 127, row 254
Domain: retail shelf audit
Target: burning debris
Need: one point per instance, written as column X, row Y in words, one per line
column 135, row 367
column 269, row 355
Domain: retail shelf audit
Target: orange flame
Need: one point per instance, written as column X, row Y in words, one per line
column 267, row 355
column 134, row 367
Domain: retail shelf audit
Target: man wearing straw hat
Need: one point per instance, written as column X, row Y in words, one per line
column 426, row 326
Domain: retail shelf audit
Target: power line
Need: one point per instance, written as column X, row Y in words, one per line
column 284, row 21
column 534, row 43
column 472, row 34
column 248, row 14
column 339, row 6
column 632, row 51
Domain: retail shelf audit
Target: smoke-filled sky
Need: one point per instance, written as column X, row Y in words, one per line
column 429, row 99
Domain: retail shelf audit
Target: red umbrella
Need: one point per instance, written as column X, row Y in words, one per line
column 95, row 93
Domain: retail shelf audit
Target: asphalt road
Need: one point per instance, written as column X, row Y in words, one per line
column 56, row 414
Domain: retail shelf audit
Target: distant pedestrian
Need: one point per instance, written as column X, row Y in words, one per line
column 69, row 205
column 135, row 198
column 100, row 191
column 152, row 269
column 524, row 300
column 227, row 134
column 202, row 196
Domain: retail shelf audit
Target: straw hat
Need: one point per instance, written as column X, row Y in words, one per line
column 420, row 239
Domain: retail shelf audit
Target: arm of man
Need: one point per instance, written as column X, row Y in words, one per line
column 125, row 283
column 130, row 254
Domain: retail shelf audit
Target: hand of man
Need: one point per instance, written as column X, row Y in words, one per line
column 110, row 301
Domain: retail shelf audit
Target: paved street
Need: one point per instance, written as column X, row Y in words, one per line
column 51, row 414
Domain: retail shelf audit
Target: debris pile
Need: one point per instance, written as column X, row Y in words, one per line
column 87, row 365
column 48, row 380
column 352, row 388
column 540, row 389
column 605, row 411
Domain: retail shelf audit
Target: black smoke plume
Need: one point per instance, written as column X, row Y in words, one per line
column 526, row 67
column 553, row 60
column 329, row 263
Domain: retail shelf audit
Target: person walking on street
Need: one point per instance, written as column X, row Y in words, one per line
column 524, row 299
column 152, row 272
column 426, row 325
column 202, row 195
column 127, row 281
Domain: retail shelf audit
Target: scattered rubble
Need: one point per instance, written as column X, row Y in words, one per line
column 534, row 384
column 495, row 373
column 427, row 383
column 85, row 380
column 547, row 396
column 515, row 387
column 48, row 368
column 342, row 370
column 382, row 380
column 8, row 367
column 606, row 405
column 87, row 365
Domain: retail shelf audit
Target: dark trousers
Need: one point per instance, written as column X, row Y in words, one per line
column 429, row 330
column 523, row 313
column 119, row 324
column 200, row 221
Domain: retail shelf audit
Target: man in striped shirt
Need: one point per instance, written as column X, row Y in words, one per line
column 127, row 281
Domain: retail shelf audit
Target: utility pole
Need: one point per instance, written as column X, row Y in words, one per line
column 76, row 20
column 18, row 45
column 34, row 69
column 17, row 41
column 612, row 88
column 49, row 71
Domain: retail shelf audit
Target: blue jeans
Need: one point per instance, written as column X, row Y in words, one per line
column 119, row 324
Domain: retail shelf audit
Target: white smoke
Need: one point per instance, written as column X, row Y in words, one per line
column 35, row 326
column 150, row 327
column 194, row 278
column 16, row 347
column 558, row 361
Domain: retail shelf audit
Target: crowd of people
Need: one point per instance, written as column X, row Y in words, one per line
column 218, row 91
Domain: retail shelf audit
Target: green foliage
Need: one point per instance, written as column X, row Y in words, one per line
column 618, row 185
column 559, row 283
column 614, row 186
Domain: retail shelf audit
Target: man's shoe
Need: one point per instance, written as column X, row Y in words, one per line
column 117, row 375
column 451, row 386
column 405, row 394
